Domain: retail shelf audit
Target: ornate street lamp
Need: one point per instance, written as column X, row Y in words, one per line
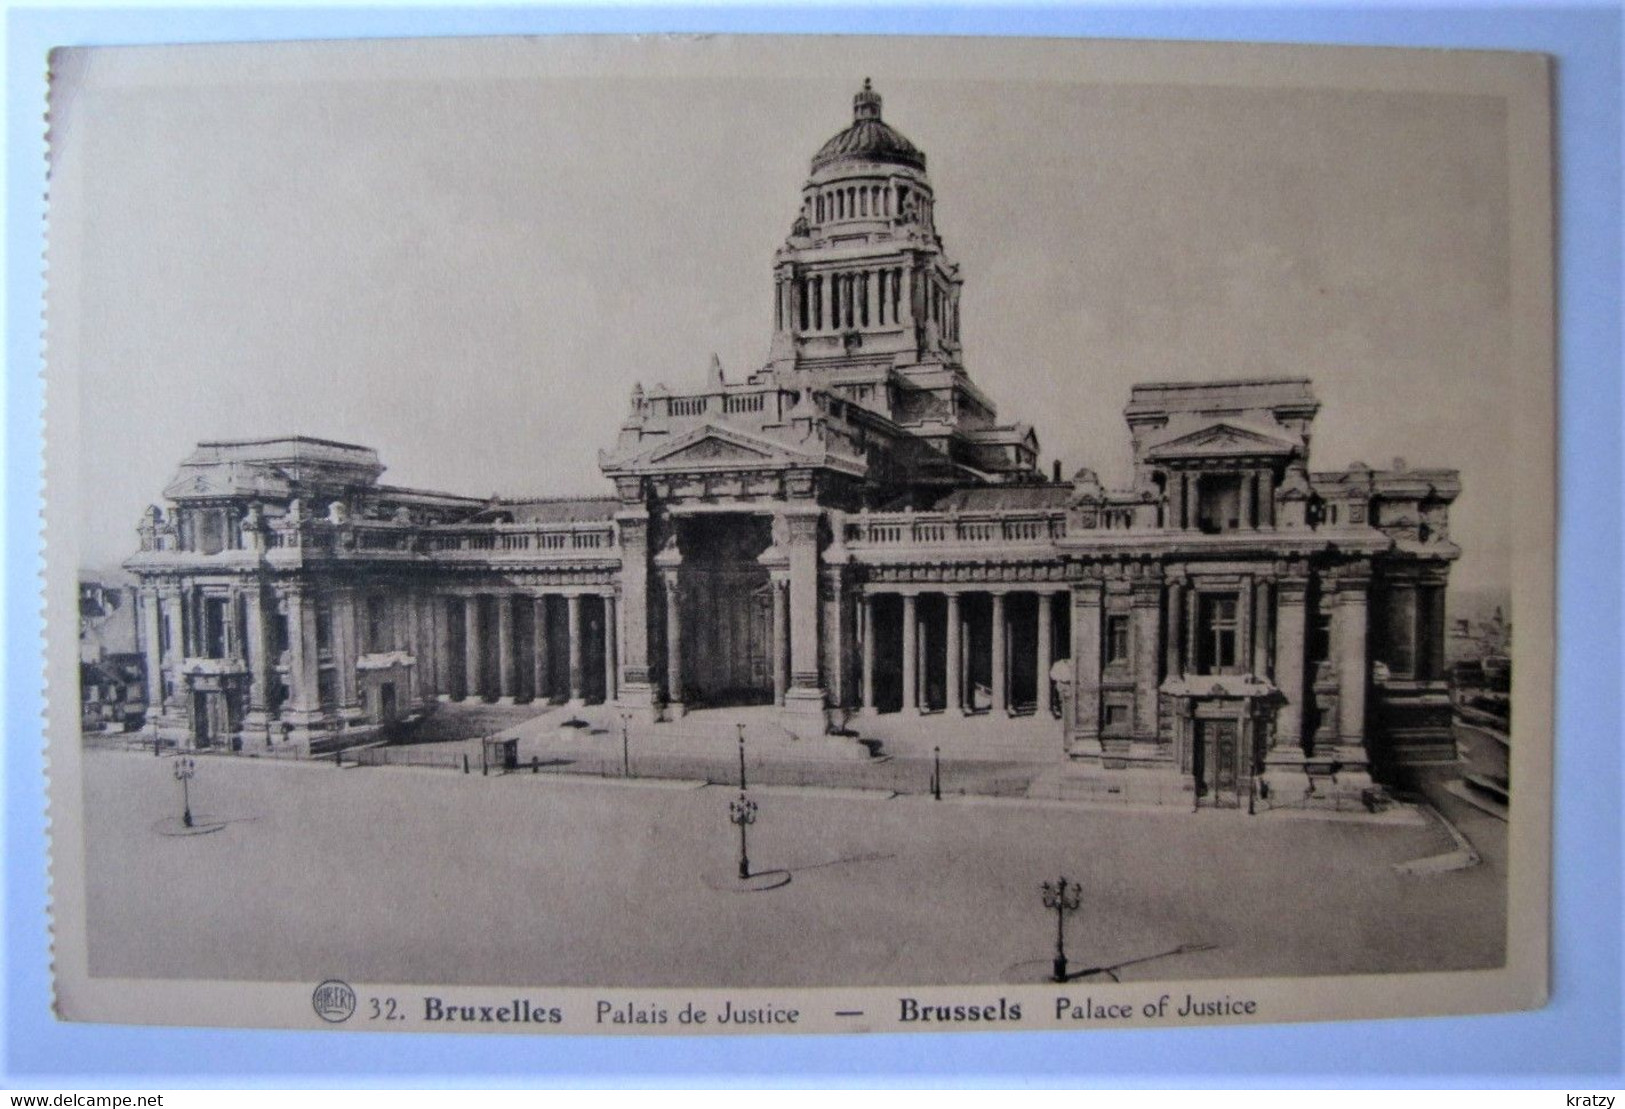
column 743, row 813
column 1063, row 897
column 741, row 728
column 936, row 773
column 184, row 769
column 626, row 753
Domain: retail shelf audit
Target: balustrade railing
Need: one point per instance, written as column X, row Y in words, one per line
column 482, row 540
column 924, row 529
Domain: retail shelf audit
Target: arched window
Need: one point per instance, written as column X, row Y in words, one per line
column 802, row 294
column 863, row 299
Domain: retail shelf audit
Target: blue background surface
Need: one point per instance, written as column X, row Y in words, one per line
column 1574, row 1042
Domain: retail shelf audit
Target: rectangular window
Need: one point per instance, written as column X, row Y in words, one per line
column 1218, row 503
column 1116, row 639
column 1217, row 634
column 214, row 627
column 1320, row 639
column 282, row 644
column 324, row 628
column 1398, row 630
column 211, row 532
column 380, row 630
column 1116, row 716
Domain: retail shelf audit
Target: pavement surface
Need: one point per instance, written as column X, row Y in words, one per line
column 411, row 875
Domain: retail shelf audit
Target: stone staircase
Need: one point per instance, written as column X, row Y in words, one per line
column 979, row 737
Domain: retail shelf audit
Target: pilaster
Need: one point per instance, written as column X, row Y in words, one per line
column 1145, row 614
column 636, row 687
column 1086, row 605
column 804, row 702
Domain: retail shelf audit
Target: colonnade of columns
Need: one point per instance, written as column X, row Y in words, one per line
column 536, row 676
column 875, row 297
column 1257, row 492
column 866, row 201
column 957, row 649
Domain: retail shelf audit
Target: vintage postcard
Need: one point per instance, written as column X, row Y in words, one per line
column 709, row 535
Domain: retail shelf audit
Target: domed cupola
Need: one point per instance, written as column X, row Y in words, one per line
column 869, row 139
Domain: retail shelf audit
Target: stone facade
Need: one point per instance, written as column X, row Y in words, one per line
column 848, row 532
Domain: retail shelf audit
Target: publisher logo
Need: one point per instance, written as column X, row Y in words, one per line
column 334, row 1001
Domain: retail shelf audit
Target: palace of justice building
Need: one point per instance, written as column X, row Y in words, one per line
column 849, row 533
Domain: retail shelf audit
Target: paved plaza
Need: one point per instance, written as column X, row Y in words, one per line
column 409, row 875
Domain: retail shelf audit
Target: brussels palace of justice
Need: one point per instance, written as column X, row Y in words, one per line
column 850, row 534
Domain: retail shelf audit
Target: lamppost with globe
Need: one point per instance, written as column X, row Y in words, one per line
column 1064, row 897
column 185, row 768
column 743, row 813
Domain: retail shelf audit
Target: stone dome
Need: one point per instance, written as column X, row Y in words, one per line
column 869, row 139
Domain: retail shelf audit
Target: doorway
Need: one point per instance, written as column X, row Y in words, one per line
column 1216, row 762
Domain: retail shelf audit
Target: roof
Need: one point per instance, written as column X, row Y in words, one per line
column 555, row 510
column 989, row 498
column 869, row 139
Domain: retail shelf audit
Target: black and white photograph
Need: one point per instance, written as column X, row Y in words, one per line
column 706, row 535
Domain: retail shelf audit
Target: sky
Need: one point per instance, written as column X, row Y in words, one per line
column 466, row 254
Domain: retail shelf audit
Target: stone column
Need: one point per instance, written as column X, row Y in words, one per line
column 636, row 690
column 152, row 650
column 1244, row 625
column 610, row 640
column 1145, row 615
column 175, row 615
column 505, row 649
column 1266, row 497
column 1086, row 598
column 473, row 671
column 411, row 610
column 868, row 675
column 1176, row 500
column 1046, row 647
column 911, row 654
column 576, row 630
column 1172, row 658
column 781, row 637
column 1290, row 596
column 1261, row 629
column 674, row 645
column 304, row 666
column 1193, row 627
column 955, row 661
column 804, row 702
column 836, row 600
column 346, row 650
column 440, row 610
column 258, row 649
column 1350, row 620
column 540, row 662
column 1433, row 631
column 1001, row 699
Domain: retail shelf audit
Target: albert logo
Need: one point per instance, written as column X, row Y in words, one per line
column 334, row 1001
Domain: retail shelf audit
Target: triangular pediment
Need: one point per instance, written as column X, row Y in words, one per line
column 225, row 480
column 1221, row 441
column 721, row 448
